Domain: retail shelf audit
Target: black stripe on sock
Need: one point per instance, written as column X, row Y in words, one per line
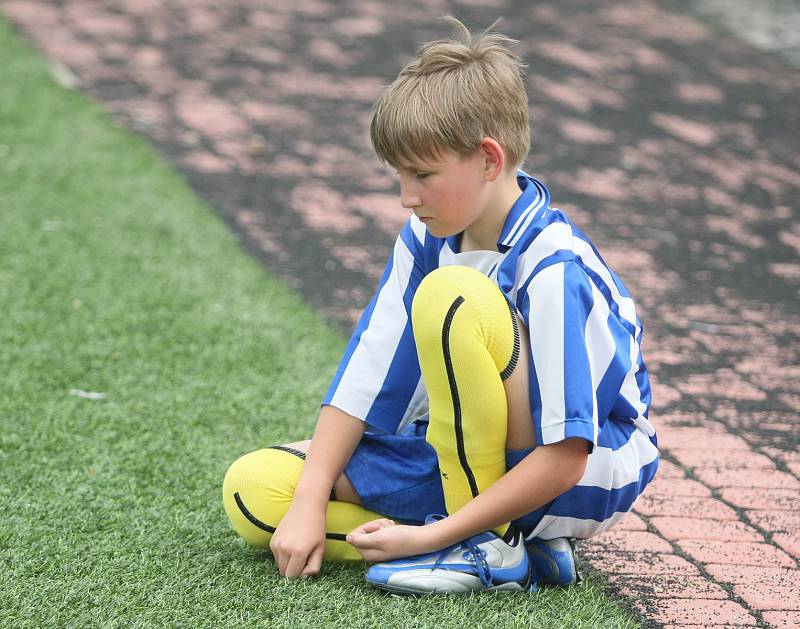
column 512, row 364
column 250, row 517
column 451, row 378
column 302, row 455
column 271, row 529
column 297, row 453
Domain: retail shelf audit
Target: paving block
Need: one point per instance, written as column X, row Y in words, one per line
column 782, row 620
column 631, row 522
column 790, row 542
column 677, row 487
column 642, row 563
column 666, row 586
column 702, row 612
column 740, row 553
column 685, row 506
column 668, row 470
column 699, row 438
column 775, row 499
column 696, row 626
column 617, row 541
column 731, row 459
column 775, row 521
column 766, row 596
column 703, row 528
column 746, row 477
column 738, row 574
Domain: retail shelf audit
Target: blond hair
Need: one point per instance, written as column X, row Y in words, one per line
column 452, row 94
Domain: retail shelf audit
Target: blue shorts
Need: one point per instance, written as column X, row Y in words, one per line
column 397, row 475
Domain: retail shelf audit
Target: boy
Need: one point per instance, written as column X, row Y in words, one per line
column 502, row 316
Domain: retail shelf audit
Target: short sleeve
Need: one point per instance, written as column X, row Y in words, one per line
column 379, row 378
column 579, row 353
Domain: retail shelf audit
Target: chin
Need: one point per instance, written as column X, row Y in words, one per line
column 438, row 233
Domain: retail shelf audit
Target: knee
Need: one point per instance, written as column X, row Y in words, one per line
column 450, row 281
column 440, row 294
column 257, row 489
column 484, row 311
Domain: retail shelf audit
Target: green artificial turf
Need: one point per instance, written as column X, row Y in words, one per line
column 116, row 279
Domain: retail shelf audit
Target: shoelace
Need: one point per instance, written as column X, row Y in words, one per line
column 478, row 558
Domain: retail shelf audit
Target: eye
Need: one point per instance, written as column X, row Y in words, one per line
column 421, row 175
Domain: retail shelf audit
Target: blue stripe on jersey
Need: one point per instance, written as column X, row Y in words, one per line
column 529, row 206
column 642, row 377
column 399, row 385
column 615, row 434
column 609, row 386
column 578, row 388
column 596, row 503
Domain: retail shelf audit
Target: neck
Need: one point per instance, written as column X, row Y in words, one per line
column 484, row 233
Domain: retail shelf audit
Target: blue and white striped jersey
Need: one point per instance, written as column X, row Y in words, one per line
column 585, row 337
column 587, row 377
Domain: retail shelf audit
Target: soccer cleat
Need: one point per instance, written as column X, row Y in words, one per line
column 482, row 563
column 553, row 561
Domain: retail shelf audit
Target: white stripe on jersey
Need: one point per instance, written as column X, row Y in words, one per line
column 419, row 229
column 624, row 463
column 547, row 347
column 630, row 391
column 525, row 218
column 418, row 402
column 552, row 526
column 552, row 238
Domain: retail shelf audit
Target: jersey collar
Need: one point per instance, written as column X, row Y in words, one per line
column 530, row 206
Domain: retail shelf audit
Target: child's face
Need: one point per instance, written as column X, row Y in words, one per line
column 447, row 195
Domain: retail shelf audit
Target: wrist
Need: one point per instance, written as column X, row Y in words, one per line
column 437, row 535
column 315, row 498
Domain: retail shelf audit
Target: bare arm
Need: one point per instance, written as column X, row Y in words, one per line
column 299, row 541
column 544, row 474
column 335, row 439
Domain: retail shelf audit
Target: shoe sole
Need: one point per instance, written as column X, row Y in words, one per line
column 393, row 589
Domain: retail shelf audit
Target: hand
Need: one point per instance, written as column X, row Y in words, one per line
column 299, row 541
column 381, row 540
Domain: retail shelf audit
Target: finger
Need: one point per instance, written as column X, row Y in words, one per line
column 364, row 540
column 280, row 559
column 367, row 527
column 373, row 525
column 371, row 554
column 314, row 562
column 295, row 565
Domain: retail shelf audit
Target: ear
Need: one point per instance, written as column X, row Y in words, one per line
column 494, row 158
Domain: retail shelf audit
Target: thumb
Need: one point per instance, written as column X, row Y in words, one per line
column 363, row 540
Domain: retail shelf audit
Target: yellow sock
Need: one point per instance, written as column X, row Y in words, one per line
column 258, row 490
column 467, row 342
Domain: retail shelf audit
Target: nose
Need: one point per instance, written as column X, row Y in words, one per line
column 409, row 196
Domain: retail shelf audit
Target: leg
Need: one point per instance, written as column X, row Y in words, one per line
column 468, row 345
column 259, row 488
